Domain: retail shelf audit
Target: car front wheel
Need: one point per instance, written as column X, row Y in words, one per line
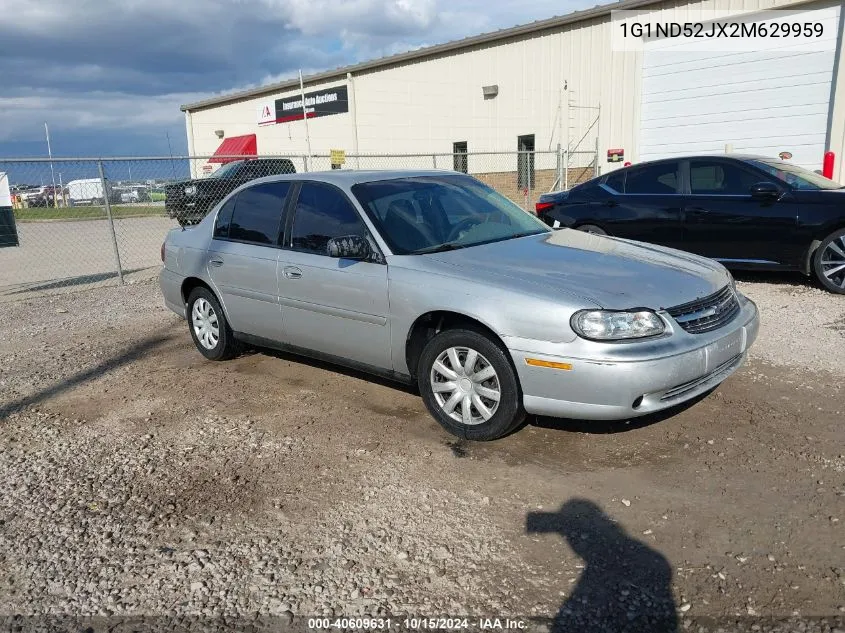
column 829, row 262
column 209, row 329
column 469, row 385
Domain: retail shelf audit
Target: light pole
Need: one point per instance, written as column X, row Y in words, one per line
column 50, row 154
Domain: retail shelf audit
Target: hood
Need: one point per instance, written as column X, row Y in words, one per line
column 610, row 272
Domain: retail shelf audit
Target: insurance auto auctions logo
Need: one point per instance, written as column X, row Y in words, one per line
column 267, row 113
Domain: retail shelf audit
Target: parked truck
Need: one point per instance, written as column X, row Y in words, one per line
column 88, row 192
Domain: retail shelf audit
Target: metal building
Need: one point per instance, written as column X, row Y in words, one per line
column 561, row 81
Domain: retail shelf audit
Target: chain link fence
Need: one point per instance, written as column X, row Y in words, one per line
column 82, row 223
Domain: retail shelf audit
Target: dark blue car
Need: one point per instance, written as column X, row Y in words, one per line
column 747, row 212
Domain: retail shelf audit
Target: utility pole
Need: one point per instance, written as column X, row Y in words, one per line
column 50, row 154
column 305, row 115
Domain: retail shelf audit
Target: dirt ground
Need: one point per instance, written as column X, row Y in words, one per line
column 139, row 479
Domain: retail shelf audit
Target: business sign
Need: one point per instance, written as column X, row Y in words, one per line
column 266, row 113
column 318, row 103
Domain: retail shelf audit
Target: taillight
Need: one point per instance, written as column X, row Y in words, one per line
column 543, row 206
column 162, row 251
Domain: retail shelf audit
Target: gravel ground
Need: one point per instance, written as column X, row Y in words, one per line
column 141, row 481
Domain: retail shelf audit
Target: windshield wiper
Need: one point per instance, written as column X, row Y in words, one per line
column 440, row 248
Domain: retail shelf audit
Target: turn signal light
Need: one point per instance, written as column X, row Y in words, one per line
column 536, row 362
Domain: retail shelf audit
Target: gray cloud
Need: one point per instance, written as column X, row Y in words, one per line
column 90, row 67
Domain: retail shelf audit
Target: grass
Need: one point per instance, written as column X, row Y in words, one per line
column 85, row 213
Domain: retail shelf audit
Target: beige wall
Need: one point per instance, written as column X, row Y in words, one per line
column 427, row 104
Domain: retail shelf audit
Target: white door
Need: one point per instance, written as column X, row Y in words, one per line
column 696, row 98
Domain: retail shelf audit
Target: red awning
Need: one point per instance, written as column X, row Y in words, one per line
column 233, row 148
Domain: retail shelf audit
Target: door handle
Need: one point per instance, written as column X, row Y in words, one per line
column 215, row 262
column 292, row 272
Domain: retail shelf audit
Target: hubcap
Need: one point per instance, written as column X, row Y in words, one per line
column 465, row 385
column 833, row 261
column 205, row 324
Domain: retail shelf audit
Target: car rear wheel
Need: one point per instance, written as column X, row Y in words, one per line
column 592, row 228
column 469, row 385
column 209, row 329
column 829, row 262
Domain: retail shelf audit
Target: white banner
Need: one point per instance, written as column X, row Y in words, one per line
column 5, row 195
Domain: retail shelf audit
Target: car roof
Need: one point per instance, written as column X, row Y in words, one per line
column 349, row 177
column 731, row 156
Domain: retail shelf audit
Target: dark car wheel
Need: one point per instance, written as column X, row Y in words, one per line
column 829, row 262
column 209, row 329
column 469, row 385
column 592, row 228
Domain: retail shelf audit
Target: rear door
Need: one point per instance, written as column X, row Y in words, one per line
column 649, row 208
column 723, row 221
column 243, row 257
column 331, row 305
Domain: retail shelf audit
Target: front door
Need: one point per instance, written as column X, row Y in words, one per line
column 331, row 305
column 723, row 221
column 243, row 258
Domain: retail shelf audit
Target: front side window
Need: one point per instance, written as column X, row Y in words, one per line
column 662, row 178
column 258, row 213
column 429, row 213
column 616, row 181
column 719, row 178
column 322, row 213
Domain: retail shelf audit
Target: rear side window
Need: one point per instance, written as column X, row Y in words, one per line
column 258, row 213
column 322, row 213
column 655, row 179
column 616, row 181
column 224, row 218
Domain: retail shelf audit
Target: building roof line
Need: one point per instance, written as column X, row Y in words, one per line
column 428, row 51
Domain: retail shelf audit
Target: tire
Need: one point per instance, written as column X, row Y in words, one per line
column 507, row 413
column 214, row 343
column 592, row 228
column 828, row 258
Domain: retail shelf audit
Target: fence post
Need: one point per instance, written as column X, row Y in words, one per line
column 434, row 161
column 305, row 163
column 111, row 221
column 566, row 169
column 559, row 171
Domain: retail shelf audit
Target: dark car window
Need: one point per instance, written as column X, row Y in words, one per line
column 616, row 181
column 258, row 213
column 662, row 178
column 323, row 212
column 224, row 218
column 720, row 178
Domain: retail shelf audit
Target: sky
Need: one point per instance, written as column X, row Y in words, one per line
column 108, row 76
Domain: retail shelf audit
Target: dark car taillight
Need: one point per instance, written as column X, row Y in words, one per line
column 162, row 251
column 543, row 206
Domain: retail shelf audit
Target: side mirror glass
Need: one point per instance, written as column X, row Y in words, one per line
column 765, row 191
column 349, row 247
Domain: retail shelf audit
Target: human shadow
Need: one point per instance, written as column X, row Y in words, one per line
column 625, row 585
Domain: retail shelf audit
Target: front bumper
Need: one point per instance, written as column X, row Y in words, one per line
column 625, row 382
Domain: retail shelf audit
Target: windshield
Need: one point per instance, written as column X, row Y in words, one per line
column 426, row 214
column 227, row 170
column 796, row 176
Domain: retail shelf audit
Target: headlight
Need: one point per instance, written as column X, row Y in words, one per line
column 191, row 190
column 602, row 325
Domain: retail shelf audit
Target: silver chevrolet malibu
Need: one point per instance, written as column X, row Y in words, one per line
column 434, row 278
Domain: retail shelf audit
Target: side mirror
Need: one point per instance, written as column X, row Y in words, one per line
column 349, row 247
column 768, row 191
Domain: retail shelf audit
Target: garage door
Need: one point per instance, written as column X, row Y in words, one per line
column 697, row 100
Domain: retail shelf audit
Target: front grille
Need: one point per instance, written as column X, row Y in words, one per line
column 707, row 314
column 679, row 390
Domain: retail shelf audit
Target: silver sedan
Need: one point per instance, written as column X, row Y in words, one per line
column 433, row 278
